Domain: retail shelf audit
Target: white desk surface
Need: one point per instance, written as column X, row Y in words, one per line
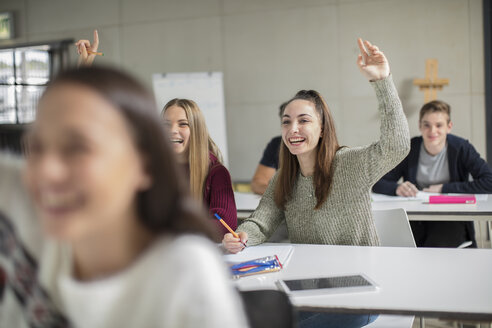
column 445, row 283
column 416, row 209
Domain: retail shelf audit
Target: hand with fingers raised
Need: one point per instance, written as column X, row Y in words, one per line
column 372, row 62
column 87, row 50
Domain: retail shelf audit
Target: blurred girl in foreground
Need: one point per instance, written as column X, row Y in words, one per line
column 121, row 244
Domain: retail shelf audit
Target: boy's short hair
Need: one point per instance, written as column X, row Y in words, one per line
column 435, row 106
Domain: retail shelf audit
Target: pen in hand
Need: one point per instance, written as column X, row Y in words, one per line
column 229, row 228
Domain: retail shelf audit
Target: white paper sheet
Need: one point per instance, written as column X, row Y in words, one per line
column 421, row 195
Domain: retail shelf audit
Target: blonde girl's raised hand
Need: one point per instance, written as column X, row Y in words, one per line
column 371, row 61
column 86, row 50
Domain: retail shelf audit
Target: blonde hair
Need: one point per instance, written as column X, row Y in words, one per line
column 200, row 145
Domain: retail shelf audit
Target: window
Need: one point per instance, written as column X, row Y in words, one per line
column 24, row 73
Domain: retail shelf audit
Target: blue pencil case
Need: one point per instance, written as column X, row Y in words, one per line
column 256, row 266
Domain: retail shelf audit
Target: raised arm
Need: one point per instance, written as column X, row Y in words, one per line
column 372, row 62
column 86, row 50
column 394, row 143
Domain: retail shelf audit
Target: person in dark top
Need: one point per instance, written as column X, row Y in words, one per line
column 439, row 162
column 270, row 155
column 268, row 164
column 267, row 167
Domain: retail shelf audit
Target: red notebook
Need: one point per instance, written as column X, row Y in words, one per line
column 447, row 199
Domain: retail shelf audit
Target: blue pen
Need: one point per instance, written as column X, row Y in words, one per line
column 228, row 228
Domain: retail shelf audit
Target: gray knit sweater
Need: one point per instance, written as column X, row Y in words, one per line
column 345, row 217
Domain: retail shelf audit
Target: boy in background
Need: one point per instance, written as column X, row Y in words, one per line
column 439, row 162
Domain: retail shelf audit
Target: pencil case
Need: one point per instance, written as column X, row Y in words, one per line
column 256, row 266
column 447, row 199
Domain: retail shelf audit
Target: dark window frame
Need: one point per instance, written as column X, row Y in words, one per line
column 11, row 134
column 58, row 59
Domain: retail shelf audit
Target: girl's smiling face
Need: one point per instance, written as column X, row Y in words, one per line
column 301, row 128
column 83, row 169
column 179, row 130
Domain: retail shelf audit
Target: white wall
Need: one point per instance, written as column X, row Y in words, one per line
column 269, row 49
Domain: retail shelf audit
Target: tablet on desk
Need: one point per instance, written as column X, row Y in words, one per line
column 328, row 285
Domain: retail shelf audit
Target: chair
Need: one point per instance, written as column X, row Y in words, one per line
column 394, row 231
column 392, row 321
column 268, row 309
column 393, row 228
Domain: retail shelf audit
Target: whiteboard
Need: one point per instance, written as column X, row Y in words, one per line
column 204, row 88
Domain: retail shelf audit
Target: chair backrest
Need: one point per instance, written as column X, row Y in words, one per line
column 393, row 228
column 268, row 309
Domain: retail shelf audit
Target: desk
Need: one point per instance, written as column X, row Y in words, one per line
column 416, row 209
column 432, row 282
column 420, row 211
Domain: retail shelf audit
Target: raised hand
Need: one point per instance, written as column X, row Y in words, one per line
column 86, row 50
column 371, row 61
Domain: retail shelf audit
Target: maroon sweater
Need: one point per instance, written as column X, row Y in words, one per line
column 219, row 196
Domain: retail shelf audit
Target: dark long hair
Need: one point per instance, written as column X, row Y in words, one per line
column 326, row 150
column 166, row 206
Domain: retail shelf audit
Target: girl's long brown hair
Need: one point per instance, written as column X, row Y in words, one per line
column 200, row 145
column 326, row 150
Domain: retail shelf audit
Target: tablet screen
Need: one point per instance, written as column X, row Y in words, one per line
column 327, row 283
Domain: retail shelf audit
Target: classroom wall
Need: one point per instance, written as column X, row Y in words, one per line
column 269, row 49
